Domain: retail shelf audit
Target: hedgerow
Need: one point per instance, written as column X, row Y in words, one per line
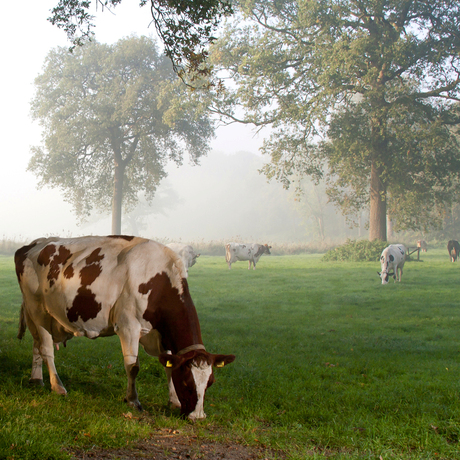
column 356, row 251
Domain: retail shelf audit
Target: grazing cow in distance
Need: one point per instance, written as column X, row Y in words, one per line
column 100, row 286
column 454, row 248
column 250, row 252
column 392, row 258
column 422, row 245
column 186, row 253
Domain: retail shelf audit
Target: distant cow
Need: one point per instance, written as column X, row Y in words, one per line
column 250, row 252
column 186, row 253
column 392, row 258
column 422, row 245
column 454, row 248
column 100, row 286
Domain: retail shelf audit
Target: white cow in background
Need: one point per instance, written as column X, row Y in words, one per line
column 250, row 252
column 392, row 258
column 186, row 253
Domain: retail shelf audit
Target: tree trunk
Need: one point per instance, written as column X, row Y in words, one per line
column 378, row 207
column 390, row 235
column 117, row 199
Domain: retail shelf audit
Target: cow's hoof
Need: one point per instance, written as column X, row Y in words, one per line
column 136, row 404
column 60, row 390
column 36, row 382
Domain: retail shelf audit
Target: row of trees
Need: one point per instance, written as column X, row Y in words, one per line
column 361, row 95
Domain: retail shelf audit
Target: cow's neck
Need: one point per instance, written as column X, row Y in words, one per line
column 171, row 313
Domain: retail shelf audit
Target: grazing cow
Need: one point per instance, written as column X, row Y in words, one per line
column 186, row 253
column 100, row 286
column 392, row 258
column 422, row 245
column 454, row 248
column 250, row 252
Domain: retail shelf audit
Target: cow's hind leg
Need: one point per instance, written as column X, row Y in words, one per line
column 47, row 353
column 43, row 351
column 36, row 377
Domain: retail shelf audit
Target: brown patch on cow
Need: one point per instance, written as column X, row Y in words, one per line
column 48, row 256
column 69, row 272
column 85, row 305
column 172, row 314
column 124, row 237
column 19, row 258
column 44, row 258
column 58, row 260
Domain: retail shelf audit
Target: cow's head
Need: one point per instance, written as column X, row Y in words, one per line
column 385, row 262
column 194, row 257
column 267, row 249
column 385, row 276
column 192, row 373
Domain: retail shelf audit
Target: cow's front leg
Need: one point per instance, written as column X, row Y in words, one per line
column 132, row 369
column 129, row 339
column 173, row 398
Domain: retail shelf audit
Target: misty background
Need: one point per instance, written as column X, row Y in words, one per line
column 223, row 198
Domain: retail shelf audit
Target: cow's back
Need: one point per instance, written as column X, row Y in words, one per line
column 399, row 252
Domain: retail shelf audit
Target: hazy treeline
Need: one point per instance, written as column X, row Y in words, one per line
column 226, row 198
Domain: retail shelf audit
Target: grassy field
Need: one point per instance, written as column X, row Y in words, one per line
column 329, row 363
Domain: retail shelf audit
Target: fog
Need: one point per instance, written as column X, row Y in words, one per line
column 223, row 198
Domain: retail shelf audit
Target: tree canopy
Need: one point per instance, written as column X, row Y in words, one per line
column 361, row 94
column 185, row 27
column 112, row 117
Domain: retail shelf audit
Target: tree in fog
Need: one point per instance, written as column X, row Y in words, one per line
column 112, row 117
column 362, row 90
column 185, row 27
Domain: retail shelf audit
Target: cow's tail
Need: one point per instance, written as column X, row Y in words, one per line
column 22, row 323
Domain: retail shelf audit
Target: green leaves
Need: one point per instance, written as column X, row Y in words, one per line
column 349, row 86
column 185, row 27
column 113, row 110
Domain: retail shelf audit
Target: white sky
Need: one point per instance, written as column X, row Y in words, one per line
column 26, row 37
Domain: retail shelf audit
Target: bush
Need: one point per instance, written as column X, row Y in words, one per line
column 357, row 251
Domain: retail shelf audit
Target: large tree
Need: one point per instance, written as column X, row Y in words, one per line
column 185, row 27
column 360, row 93
column 112, row 117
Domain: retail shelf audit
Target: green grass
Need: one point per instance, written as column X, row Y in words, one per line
column 329, row 362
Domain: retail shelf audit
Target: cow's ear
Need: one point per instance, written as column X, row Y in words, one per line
column 222, row 360
column 378, row 273
column 170, row 361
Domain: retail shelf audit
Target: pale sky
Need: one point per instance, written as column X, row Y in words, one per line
column 26, row 37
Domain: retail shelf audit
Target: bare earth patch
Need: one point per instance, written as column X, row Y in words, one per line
column 172, row 445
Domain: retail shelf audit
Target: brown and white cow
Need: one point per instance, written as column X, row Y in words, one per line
column 100, row 286
column 422, row 245
column 251, row 252
column 186, row 253
column 454, row 249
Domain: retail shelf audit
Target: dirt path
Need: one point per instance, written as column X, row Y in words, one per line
column 172, row 445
